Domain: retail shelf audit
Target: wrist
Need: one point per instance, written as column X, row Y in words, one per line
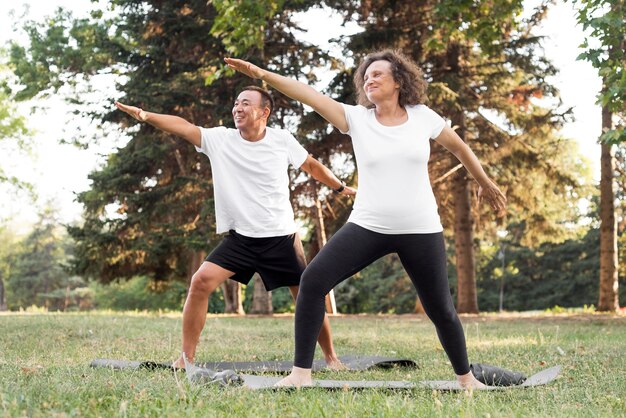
column 341, row 187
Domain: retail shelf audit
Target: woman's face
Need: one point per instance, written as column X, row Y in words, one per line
column 378, row 82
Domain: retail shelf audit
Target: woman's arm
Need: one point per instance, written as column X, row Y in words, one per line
column 168, row 123
column 329, row 109
column 488, row 189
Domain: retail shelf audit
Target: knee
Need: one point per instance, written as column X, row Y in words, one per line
column 202, row 283
column 445, row 317
column 311, row 284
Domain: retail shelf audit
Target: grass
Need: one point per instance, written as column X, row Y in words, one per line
column 44, row 368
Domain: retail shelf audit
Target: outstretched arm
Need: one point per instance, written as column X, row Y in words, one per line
column 323, row 174
column 329, row 109
column 172, row 124
column 487, row 190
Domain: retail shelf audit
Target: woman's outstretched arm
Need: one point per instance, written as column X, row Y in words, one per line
column 329, row 109
column 488, row 190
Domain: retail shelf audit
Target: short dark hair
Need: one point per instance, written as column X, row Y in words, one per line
column 404, row 71
column 266, row 98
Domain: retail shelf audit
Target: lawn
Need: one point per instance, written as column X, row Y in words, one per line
column 44, row 366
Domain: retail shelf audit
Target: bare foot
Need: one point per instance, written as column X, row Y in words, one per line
column 179, row 363
column 333, row 363
column 468, row 381
column 299, row 377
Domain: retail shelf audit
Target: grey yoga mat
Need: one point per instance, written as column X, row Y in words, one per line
column 266, row 382
column 356, row 362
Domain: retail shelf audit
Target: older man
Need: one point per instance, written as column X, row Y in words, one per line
column 251, row 186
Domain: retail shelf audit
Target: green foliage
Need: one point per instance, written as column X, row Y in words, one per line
column 139, row 293
column 383, row 287
column 604, row 19
column 36, row 271
column 14, row 133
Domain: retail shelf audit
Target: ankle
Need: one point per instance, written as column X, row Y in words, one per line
column 301, row 373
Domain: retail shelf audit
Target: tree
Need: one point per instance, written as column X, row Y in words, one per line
column 606, row 21
column 38, row 269
column 482, row 61
column 150, row 210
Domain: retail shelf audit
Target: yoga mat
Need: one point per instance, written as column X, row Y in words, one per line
column 265, row 382
column 355, row 363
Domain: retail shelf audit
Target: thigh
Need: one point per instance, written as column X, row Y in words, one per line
column 282, row 263
column 233, row 256
column 350, row 250
column 424, row 259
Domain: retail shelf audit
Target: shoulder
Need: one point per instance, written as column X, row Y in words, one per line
column 217, row 131
column 423, row 111
column 279, row 134
column 357, row 110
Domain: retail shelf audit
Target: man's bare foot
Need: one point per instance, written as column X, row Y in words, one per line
column 333, row 363
column 468, row 381
column 299, row 377
column 179, row 363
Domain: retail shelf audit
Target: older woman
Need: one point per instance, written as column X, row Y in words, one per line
column 395, row 209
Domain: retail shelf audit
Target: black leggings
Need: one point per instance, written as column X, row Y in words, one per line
column 353, row 248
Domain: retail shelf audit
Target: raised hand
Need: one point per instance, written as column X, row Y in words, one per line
column 137, row 113
column 494, row 197
column 244, row 67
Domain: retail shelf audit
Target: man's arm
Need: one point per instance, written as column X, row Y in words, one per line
column 168, row 123
column 323, row 174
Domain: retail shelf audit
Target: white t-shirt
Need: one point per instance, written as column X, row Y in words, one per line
column 250, row 180
column 395, row 195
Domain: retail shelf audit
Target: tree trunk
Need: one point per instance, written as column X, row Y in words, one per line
column 3, row 304
column 464, row 234
column 261, row 298
column 232, row 297
column 196, row 258
column 608, row 300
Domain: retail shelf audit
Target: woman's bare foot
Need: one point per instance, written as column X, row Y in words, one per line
column 468, row 381
column 299, row 377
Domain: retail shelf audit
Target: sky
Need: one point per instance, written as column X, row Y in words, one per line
column 60, row 171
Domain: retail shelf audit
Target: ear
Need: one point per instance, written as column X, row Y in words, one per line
column 266, row 112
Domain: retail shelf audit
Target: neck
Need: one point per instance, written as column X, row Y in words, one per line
column 254, row 133
column 389, row 108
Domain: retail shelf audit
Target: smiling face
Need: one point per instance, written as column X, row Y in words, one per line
column 378, row 82
column 248, row 110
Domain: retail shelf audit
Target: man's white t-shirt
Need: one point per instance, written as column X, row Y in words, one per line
column 250, row 180
column 395, row 195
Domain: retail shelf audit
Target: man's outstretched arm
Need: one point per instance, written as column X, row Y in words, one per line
column 323, row 174
column 168, row 123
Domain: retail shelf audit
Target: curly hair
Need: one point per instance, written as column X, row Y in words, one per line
column 404, row 71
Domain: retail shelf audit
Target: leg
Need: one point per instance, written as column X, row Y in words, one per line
column 325, row 339
column 350, row 250
column 424, row 258
column 208, row 278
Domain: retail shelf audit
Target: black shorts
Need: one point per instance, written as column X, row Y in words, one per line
column 279, row 260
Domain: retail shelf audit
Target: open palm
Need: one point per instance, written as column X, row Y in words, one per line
column 135, row 112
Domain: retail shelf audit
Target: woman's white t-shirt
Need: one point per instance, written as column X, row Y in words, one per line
column 250, row 180
column 394, row 192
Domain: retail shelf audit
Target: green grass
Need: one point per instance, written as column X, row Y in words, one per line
column 44, row 368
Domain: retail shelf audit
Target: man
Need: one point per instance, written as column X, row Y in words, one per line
column 251, row 187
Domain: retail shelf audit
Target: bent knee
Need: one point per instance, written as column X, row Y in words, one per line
column 203, row 282
column 312, row 283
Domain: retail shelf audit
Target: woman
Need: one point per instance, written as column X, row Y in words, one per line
column 395, row 209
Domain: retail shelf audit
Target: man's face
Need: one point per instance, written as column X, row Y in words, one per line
column 248, row 110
